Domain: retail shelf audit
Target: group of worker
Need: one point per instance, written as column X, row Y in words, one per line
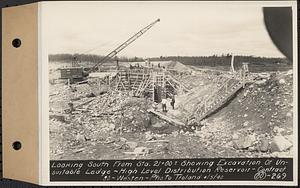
column 164, row 102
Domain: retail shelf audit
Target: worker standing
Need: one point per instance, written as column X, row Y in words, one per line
column 164, row 104
column 173, row 101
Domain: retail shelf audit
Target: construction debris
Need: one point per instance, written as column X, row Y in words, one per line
column 216, row 114
column 168, row 119
column 132, row 145
column 279, row 143
column 155, row 141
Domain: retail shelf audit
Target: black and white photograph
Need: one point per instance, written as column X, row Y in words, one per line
column 169, row 80
column 150, row 93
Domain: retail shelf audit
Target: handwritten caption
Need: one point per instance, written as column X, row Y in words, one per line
column 260, row 169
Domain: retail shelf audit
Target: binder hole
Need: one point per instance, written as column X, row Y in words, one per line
column 16, row 43
column 17, row 145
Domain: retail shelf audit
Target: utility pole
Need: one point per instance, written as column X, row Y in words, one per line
column 232, row 61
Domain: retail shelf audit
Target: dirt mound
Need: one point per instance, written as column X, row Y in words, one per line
column 176, row 65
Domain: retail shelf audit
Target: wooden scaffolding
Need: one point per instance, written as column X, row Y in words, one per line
column 148, row 83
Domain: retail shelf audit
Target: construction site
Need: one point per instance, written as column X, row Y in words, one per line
column 115, row 112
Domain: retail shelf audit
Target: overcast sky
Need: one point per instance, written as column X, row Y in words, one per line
column 186, row 28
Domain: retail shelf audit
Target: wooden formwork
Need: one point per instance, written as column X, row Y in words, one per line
column 147, row 81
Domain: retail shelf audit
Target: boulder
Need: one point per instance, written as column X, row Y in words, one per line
column 264, row 75
column 290, row 72
column 244, row 142
column 235, row 136
column 264, row 145
column 150, row 137
column 261, row 82
column 132, row 145
column 278, row 130
column 175, row 133
column 278, row 154
column 282, row 81
column 58, row 117
column 246, row 123
column 290, row 138
column 111, row 126
column 279, row 143
column 142, row 149
column 252, row 148
column 157, row 125
column 250, row 130
column 80, row 137
column 122, row 139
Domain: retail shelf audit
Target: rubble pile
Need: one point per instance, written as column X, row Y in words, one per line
column 127, row 112
column 109, row 114
column 270, row 103
column 262, row 116
column 91, row 121
column 212, row 133
column 271, row 144
column 61, row 95
column 179, row 67
column 199, row 78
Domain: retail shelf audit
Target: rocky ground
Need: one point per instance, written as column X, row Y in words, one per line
column 257, row 122
column 261, row 116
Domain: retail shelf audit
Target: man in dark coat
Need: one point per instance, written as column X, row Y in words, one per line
column 173, row 101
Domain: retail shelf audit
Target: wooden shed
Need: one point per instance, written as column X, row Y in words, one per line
column 72, row 73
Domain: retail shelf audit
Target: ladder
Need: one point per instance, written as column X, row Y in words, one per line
column 175, row 83
column 143, row 85
column 217, row 99
column 122, row 82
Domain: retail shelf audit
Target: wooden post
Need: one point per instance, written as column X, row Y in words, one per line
column 243, row 80
column 244, row 72
column 164, row 84
column 232, row 62
column 153, row 85
column 121, row 124
column 143, row 74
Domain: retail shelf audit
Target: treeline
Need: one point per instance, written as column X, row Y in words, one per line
column 211, row 61
column 87, row 58
column 223, row 60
